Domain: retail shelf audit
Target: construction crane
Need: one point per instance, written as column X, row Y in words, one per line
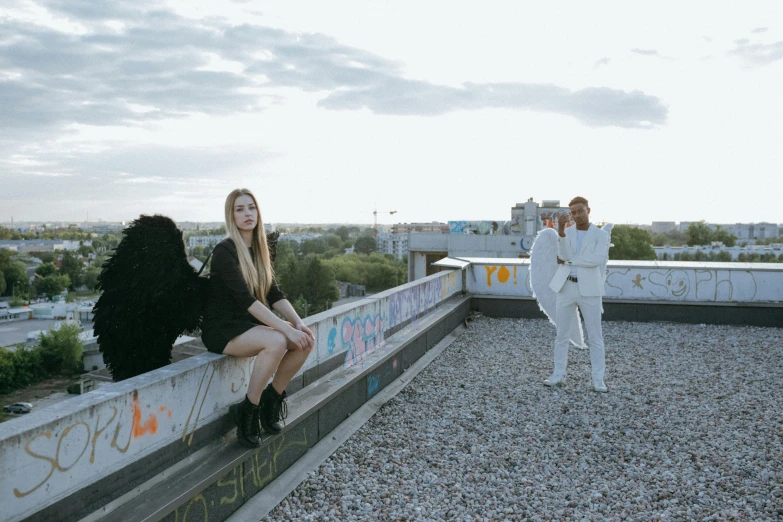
column 375, row 219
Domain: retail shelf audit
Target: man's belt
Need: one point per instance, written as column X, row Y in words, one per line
column 572, row 278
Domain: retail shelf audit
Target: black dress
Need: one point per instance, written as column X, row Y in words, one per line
column 226, row 314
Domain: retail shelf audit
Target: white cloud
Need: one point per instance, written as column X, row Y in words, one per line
column 143, row 107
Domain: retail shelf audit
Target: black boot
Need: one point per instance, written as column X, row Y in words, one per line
column 272, row 409
column 245, row 415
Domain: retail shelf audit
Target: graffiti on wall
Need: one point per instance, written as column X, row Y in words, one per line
column 384, row 376
column 451, row 284
column 501, row 274
column 69, row 454
column 198, row 403
column 61, row 451
column 476, row 227
column 409, row 303
column 359, row 336
column 241, row 483
column 548, row 218
column 680, row 284
column 504, row 276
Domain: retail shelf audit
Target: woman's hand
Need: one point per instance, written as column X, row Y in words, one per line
column 299, row 325
column 299, row 338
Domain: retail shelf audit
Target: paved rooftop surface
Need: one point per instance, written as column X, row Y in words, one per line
column 15, row 332
column 691, row 429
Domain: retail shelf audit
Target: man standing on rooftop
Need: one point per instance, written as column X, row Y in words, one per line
column 583, row 251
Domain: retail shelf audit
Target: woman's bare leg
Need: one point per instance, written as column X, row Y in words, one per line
column 269, row 347
column 292, row 361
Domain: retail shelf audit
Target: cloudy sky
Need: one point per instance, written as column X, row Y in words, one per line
column 438, row 110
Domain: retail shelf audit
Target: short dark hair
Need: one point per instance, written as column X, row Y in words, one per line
column 577, row 200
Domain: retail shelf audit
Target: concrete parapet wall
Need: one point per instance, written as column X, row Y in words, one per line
column 648, row 281
column 54, row 453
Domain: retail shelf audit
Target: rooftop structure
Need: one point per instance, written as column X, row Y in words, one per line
column 421, row 228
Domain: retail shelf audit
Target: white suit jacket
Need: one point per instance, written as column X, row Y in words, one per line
column 590, row 263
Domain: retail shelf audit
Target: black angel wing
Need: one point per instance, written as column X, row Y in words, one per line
column 150, row 296
column 271, row 241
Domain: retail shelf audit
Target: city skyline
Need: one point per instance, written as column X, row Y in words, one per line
column 329, row 112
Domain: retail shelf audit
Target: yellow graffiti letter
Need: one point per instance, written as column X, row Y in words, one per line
column 51, row 461
column 490, row 271
column 99, row 431
column 66, row 431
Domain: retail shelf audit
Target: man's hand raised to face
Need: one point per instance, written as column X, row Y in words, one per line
column 562, row 221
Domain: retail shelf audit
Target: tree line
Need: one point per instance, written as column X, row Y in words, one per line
column 308, row 272
column 57, row 352
column 632, row 243
column 51, row 279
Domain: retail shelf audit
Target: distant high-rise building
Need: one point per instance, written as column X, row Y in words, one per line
column 661, row 227
column 205, row 241
column 394, row 244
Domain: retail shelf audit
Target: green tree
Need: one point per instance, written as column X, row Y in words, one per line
column 343, row 232
column 377, row 272
column 699, row 234
column 73, row 268
column 201, row 252
column 723, row 256
column 313, row 246
column 52, row 285
column 725, row 237
column 46, row 257
column 302, row 306
column 333, row 241
column 91, row 274
column 15, row 275
column 62, row 350
column 672, row 237
column 7, row 371
column 365, row 245
column 28, row 367
column 46, row 269
column 286, row 266
column 6, row 233
column 320, row 287
column 631, row 243
column 2, row 283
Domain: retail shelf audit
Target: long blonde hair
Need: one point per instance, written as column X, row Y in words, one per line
column 256, row 271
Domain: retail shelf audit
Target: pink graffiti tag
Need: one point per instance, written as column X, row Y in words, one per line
column 361, row 336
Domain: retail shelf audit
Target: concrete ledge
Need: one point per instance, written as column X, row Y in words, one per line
column 225, row 477
column 749, row 314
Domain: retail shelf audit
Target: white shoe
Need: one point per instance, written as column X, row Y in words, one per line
column 600, row 387
column 555, row 380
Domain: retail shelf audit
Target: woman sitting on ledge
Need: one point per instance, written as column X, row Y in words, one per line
column 238, row 320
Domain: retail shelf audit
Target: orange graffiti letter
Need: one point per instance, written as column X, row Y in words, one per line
column 490, row 271
column 139, row 429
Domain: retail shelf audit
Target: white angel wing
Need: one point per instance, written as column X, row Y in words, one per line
column 607, row 228
column 543, row 265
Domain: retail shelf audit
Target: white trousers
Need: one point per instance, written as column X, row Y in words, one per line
column 568, row 298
